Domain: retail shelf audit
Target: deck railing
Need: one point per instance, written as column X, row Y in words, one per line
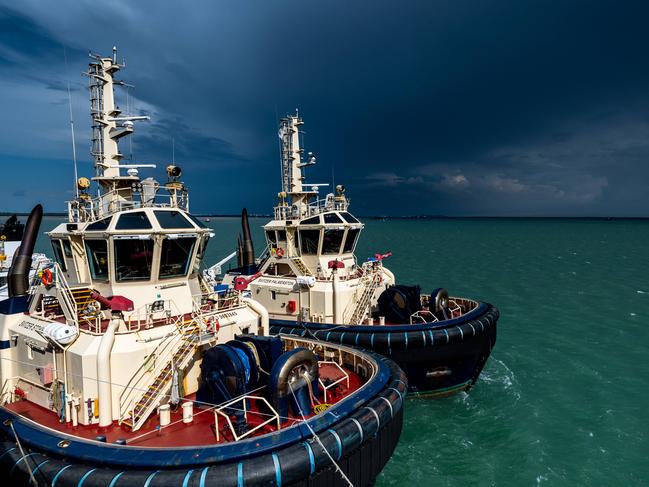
column 140, row 196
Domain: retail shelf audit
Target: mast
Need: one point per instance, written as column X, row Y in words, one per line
column 293, row 180
column 107, row 124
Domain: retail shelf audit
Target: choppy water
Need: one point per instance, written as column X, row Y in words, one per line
column 564, row 398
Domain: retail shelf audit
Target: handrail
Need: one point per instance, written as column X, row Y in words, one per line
column 344, row 377
column 62, row 284
column 219, row 411
column 110, row 202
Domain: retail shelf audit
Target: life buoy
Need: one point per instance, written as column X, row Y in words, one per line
column 46, row 277
column 279, row 252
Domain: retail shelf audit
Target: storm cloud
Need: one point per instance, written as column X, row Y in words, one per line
column 438, row 107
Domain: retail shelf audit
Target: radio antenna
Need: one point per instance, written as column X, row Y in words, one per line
column 74, row 146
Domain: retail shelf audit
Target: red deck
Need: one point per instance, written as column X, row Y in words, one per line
column 200, row 432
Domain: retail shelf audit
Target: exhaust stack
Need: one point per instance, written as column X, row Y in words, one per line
column 18, row 276
column 246, row 250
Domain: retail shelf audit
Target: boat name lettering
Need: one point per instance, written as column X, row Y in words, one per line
column 276, row 282
column 31, row 326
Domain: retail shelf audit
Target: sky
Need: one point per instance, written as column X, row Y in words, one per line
column 457, row 107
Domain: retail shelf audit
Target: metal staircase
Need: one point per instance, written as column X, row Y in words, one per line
column 299, row 264
column 370, row 283
column 151, row 383
column 86, row 307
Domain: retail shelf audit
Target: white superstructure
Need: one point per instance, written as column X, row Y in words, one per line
column 310, row 272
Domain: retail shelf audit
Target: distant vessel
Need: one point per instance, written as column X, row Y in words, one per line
column 11, row 234
column 121, row 367
column 314, row 286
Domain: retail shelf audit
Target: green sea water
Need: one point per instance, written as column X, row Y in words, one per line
column 564, row 398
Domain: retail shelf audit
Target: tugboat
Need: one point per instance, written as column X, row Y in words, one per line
column 11, row 233
column 122, row 368
column 313, row 285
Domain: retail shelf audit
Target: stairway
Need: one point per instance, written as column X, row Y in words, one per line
column 371, row 282
column 301, row 266
column 184, row 347
column 86, row 306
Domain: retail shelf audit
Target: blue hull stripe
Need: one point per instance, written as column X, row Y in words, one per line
column 115, row 479
column 5, row 344
column 240, row 475
column 58, row 474
column 39, row 466
column 339, row 444
column 278, row 470
column 85, row 476
column 376, row 415
column 188, row 475
column 150, row 478
column 311, row 458
column 360, row 428
column 389, row 404
column 20, row 460
column 203, row 475
column 397, row 391
column 8, row 451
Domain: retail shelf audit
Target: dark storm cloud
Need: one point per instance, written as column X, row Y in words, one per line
column 439, row 107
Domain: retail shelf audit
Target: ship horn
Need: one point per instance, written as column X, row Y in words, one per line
column 247, row 250
column 18, row 276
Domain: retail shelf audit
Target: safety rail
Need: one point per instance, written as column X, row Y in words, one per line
column 65, row 292
column 427, row 316
column 219, row 411
column 344, row 377
column 142, row 195
column 166, row 309
column 286, row 212
column 216, row 301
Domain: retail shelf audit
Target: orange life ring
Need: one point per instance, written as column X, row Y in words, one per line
column 46, row 277
column 279, row 252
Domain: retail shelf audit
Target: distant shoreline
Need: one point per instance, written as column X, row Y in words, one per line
column 404, row 217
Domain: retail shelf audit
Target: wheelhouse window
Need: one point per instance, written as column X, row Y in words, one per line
column 281, row 235
column 200, row 253
column 331, row 241
column 309, row 240
column 67, row 248
column 133, row 221
column 198, row 223
column 172, row 219
column 99, row 225
column 271, row 237
column 348, row 218
column 58, row 254
column 97, row 253
column 332, row 218
column 314, row 220
column 175, row 258
column 133, row 259
column 350, row 242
